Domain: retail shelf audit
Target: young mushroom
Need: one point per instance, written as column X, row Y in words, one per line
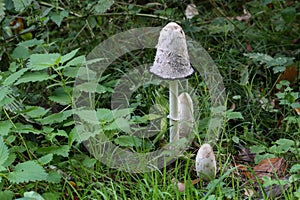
column 172, row 63
column 206, row 162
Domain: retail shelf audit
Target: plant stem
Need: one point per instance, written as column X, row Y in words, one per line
column 173, row 101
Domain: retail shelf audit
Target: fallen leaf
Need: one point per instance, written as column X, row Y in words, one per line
column 290, row 74
column 270, row 167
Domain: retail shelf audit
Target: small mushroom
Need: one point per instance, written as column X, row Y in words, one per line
column 206, row 162
column 185, row 114
column 172, row 63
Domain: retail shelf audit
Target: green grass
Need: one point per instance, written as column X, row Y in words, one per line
column 30, row 133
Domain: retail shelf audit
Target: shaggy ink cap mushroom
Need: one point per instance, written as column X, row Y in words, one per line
column 172, row 59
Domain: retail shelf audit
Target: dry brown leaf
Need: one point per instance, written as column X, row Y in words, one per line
column 290, row 74
column 270, row 166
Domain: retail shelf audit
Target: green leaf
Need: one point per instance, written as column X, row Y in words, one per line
column 31, row 196
column 2, row 12
column 53, row 177
column 6, row 195
column 27, row 171
column 34, row 77
column 62, row 96
column 13, row 77
column 102, row 6
column 21, row 52
column 31, row 43
column 56, row 118
column 78, row 61
column 289, row 14
column 46, row 159
column 56, row 150
column 20, row 5
column 3, row 152
column 25, row 128
column 52, row 135
column 104, row 115
column 5, row 127
column 4, row 91
column 234, row 115
column 128, row 141
column 35, row 111
column 257, row 149
column 57, row 17
column 68, row 56
column 43, row 61
column 295, row 168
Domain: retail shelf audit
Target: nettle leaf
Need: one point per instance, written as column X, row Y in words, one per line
column 78, row 61
column 57, row 17
column 31, row 196
column 27, row 171
column 56, row 118
column 6, row 195
column 25, row 128
column 43, row 61
column 283, row 146
column 34, row 77
column 234, row 115
column 3, row 152
column 45, row 159
column 68, row 56
column 104, row 115
column 4, row 91
column 56, row 150
column 13, row 77
column 53, row 177
column 128, row 141
column 2, row 10
column 20, row 5
column 52, row 135
column 102, row 6
column 35, row 111
column 5, row 127
column 88, row 116
column 62, row 96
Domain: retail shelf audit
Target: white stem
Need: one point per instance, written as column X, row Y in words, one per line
column 173, row 99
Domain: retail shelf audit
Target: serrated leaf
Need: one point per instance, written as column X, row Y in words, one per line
column 31, row 43
column 68, row 56
column 56, row 118
column 128, row 141
column 20, row 5
column 5, row 127
column 46, row 159
column 21, row 52
column 104, row 115
column 58, row 17
column 27, row 171
column 25, row 128
column 43, row 61
column 3, row 152
column 102, row 6
column 35, row 111
column 31, row 196
column 53, row 177
column 34, row 77
column 88, row 116
column 56, row 150
column 15, row 76
column 122, row 112
column 52, row 135
column 6, row 195
column 2, row 10
column 234, row 115
column 77, row 61
column 4, row 91
column 62, row 96
column 295, row 168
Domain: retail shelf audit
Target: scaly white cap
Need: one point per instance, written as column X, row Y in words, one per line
column 172, row 59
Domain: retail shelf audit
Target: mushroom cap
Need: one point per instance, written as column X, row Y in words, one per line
column 206, row 162
column 172, row 59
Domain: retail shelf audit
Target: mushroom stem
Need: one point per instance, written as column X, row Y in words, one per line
column 173, row 98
